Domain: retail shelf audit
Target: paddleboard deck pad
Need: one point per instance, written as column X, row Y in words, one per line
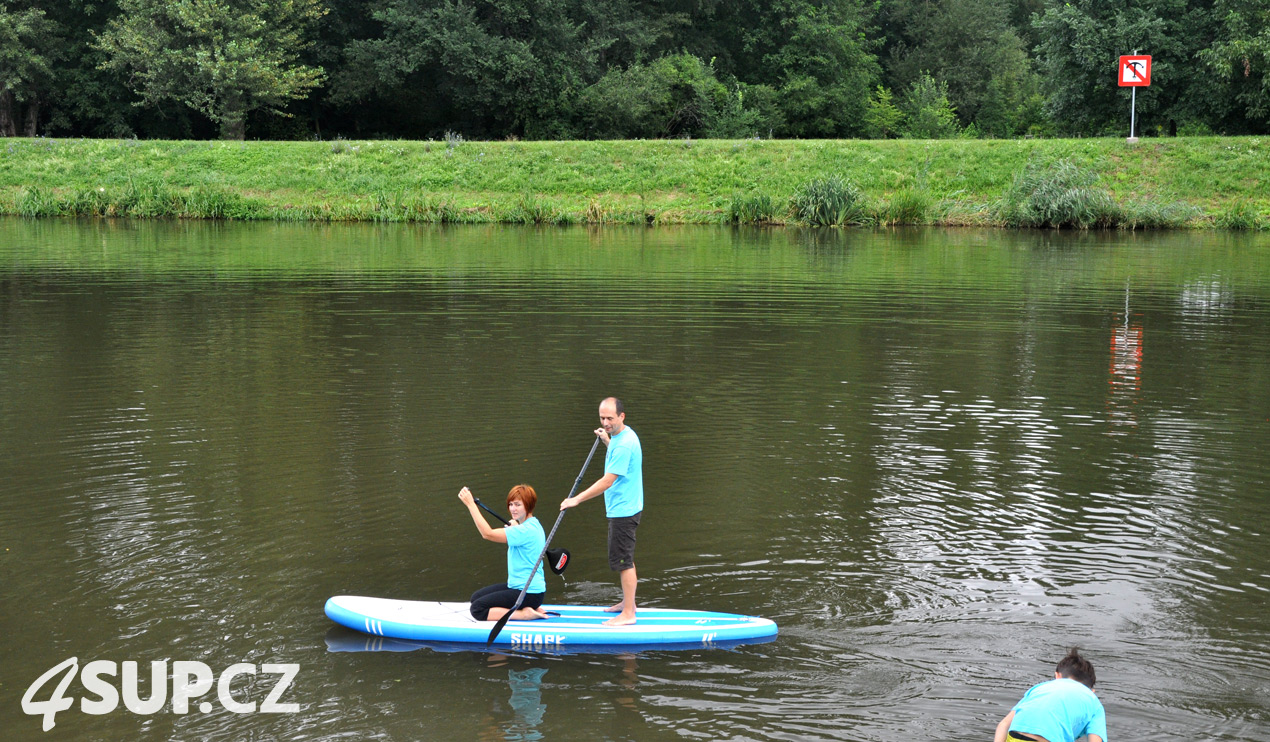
column 568, row 626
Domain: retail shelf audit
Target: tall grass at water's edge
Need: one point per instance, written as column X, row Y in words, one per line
column 1199, row 182
column 833, row 201
column 1242, row 216
column 1062, row 194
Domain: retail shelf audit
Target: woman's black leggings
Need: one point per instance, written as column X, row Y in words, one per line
column 500, row 596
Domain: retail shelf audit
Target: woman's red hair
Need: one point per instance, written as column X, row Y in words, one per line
column 526, row 495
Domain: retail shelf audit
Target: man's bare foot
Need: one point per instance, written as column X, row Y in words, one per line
column 621, row 619
column 615, row 608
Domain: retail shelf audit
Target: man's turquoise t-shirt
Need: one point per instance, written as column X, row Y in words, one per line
column 625, row 497
column 1060, row 711
column 524, row 546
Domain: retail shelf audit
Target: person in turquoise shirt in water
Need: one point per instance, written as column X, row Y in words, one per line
column 623, row 489
column 525, row 541
column 1058, row 710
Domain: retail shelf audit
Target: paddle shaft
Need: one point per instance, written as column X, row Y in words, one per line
column 493, row 634
column 486, row 508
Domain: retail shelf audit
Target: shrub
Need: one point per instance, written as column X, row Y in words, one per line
column 531, row 210
column 1194, row 129
column 91, row 202
column 435, row 210
column 906, row 206
column 213, row 202
column 1152, row 215
column 833, row 201
column 146, row 200
column 673, row 96
column 1061, row 195
column 754, row 208
column 759, row 115
column 596, row 213
column 35, row 201
column 1240, row 215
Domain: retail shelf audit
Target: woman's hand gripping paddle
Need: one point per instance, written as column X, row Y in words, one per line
column 557, row 559
column 521, row 598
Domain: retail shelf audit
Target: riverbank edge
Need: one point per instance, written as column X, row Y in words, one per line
column 1200, row 182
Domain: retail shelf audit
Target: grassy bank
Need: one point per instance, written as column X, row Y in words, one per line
column 1195, row 182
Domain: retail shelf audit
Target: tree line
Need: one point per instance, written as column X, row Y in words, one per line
column 580, row 69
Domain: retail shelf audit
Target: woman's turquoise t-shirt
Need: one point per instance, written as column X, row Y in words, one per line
column 524, row 545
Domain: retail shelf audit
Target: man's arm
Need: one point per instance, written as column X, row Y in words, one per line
column 601, row 485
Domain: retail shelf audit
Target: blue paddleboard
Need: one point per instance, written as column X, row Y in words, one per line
column 569, row 626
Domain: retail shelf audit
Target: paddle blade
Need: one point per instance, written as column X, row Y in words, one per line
column 498, row 627
column 559, row 559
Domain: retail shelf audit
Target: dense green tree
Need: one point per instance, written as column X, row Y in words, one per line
column 1240, row 56
column 928, row 114
column 677, row 95
column 1077, row 58
column 320, row 114
column 85, row 100
column 486, row 67
column 967, row 44
column 577, row 68
column 222, row 58
column 882, row 118
column 673, row 96
column 1012, row 105
column 826, row 68
column 30, row 46
column 626, row 32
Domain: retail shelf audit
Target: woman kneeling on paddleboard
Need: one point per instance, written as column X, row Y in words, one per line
column 525, row 541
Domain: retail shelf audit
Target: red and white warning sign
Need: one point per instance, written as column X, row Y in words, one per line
column 1135, row 70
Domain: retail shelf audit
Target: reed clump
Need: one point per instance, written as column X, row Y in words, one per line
column 596, row 213
column 214, row 202
column 1241, row 216
column 752, row 208
column 907, row 205
column 530, row 209
column 1152, row 215
column 1060, row 195
column 34, row 201
column 833, row 201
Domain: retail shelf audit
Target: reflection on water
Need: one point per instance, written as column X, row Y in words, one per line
column 526, row 703
column 936, row 458
column 1126, row 368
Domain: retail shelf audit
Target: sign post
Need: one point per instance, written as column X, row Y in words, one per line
column 1135, row 72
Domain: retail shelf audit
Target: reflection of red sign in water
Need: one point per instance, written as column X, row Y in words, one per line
column 1126, row 357
column 1126, row 371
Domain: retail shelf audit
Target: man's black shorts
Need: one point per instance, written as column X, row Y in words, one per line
column 622, row 542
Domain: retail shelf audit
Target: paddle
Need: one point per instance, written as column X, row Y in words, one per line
column 557, row 559
column 521, row 598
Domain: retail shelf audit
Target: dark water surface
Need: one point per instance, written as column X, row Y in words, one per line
column 936, row 458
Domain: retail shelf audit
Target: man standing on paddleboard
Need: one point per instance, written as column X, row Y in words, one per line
column 623, row 488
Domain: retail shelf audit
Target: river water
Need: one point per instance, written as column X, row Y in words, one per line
column 936, row 458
